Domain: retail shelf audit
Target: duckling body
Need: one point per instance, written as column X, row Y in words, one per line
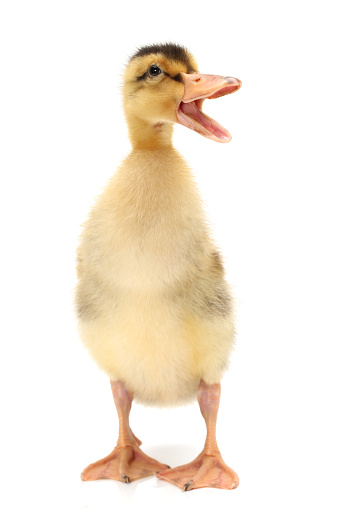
column 153, row 307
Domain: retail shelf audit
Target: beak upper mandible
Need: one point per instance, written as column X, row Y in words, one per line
column 202, row 86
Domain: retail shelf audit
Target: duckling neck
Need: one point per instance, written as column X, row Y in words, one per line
column 144, row 135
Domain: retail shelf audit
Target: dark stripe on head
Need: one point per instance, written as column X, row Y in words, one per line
column 176, row 78
column 142, row 77
column 170, row 51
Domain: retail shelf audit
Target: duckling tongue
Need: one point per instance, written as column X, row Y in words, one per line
column 191, row 116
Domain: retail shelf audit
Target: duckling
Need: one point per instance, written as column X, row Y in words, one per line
column 153, row 307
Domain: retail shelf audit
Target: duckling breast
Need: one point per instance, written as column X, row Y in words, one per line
column 153, row 307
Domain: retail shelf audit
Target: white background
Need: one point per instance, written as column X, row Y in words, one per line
column 272, row 196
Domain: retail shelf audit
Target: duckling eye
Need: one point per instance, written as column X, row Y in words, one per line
column 154, row 70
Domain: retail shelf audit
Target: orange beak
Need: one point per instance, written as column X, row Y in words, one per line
column 199, row 87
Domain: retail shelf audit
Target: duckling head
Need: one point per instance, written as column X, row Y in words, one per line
column 162, row 87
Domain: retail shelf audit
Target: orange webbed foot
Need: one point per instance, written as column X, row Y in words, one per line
column 206, row 471
column 125, row 464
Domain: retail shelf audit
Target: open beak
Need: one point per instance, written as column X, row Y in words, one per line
column 199, row 87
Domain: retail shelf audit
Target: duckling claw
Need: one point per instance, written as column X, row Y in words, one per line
column 125, row 478
column 188, row 486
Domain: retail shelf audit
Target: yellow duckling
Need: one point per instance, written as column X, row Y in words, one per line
column 153, row 308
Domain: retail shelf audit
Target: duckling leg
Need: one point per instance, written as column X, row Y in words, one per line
column 208, row 469
column 127, row 462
